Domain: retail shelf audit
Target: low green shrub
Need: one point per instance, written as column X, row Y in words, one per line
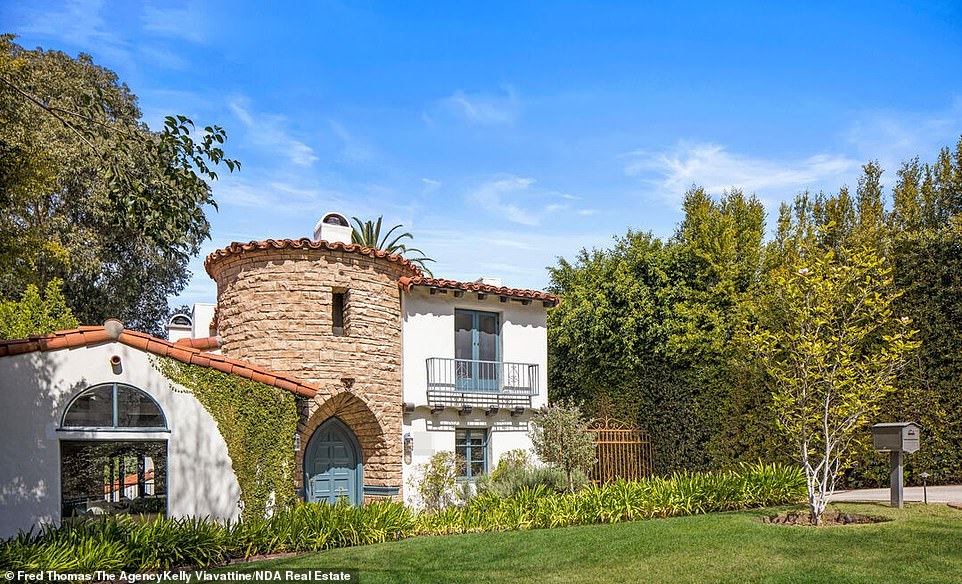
column 749, row 486
column 435, row 483
column 124, row 543
column 510, row 477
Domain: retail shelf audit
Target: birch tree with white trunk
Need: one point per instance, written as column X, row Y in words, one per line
column 832, row 350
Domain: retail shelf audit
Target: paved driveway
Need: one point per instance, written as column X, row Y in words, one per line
column 945, row 494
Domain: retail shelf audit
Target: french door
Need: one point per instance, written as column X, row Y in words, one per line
column 477, row 350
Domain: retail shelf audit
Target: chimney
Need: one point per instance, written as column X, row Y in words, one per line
column 333, row 227
column 179, row 327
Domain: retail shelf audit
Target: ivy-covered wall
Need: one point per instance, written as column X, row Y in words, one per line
column 258, row 423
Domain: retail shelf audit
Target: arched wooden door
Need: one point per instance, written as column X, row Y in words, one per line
column 332, row 464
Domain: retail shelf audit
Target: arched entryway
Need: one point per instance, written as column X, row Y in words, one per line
column 333, row 464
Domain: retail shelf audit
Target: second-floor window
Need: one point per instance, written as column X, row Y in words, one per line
column 477, row 348
column 338, row 309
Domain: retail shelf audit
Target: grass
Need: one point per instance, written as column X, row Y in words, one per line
column 921, row 544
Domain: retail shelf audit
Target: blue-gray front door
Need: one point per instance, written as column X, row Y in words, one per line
column 332, row 464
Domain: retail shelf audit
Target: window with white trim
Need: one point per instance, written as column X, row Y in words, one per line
column 126, row 474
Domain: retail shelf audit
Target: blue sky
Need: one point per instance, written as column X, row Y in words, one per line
column 505, row 135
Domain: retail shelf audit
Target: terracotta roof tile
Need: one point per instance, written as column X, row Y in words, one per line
column 135, row 341
column 308, row 244
column 98, row 336
column 201, row 360
column 203, row 343
column 92, row 335
column 406, row 284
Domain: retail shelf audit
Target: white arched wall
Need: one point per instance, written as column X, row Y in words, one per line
column 34, row 390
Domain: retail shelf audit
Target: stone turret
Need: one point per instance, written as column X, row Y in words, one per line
column 328, row 312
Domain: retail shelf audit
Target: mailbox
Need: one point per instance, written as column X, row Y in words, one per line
column 896, row 437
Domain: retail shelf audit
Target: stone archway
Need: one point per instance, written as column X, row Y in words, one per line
column 380, row 447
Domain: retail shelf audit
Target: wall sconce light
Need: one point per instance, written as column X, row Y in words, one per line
column 297, row 442
column 408, row 447
column 115, row 365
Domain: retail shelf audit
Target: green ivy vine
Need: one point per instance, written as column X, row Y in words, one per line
column 258, row 423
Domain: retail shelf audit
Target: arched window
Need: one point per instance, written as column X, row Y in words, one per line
column 180, row 320
column 113, row 406
column 111, row 460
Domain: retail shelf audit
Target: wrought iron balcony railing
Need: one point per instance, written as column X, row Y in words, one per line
column 466, row 382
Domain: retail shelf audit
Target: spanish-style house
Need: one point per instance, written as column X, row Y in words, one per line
column 390, row 367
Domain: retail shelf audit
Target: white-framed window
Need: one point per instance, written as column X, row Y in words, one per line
column 113, row 453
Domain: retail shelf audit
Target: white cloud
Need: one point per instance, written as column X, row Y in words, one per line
column 519, row 200
column 267, row 131
column 79, row 23
column 715, row 168
column 186, row 22
column 430, row 185
column 484, row 109
column 353, row 149
column 892, row 137
column 491, row 196
column 518, row 256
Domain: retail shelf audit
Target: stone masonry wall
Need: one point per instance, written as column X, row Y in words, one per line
column 275, row 311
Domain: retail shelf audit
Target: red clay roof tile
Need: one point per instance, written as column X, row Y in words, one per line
column 92, row 335
column 308, row 244
column 406, row 284
column 204, row 343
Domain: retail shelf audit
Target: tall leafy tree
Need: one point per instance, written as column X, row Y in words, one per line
column 90, row 195
column 644, row 332
column 35, row 313
column 832, row 358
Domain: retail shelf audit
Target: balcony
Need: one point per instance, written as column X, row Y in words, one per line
column 461, row 383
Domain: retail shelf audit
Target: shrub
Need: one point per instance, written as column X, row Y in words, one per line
column 509, row 478
column 436, row 482
column 560, row 437
column 122, row 543
column 749, row 486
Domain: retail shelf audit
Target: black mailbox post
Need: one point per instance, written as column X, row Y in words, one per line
column 896, row 438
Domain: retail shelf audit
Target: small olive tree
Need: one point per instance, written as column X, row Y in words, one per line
column 561, row 437
column 832, row 352
column 436, row 481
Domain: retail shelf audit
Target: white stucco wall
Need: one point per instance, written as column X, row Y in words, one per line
column 202, row 314
column 428, row 331
column 35, row 388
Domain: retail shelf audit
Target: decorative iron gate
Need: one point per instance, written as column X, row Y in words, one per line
column 623, row 452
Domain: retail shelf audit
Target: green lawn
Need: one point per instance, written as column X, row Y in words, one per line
column 922, row 544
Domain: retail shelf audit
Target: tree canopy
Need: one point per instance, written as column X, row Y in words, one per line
column 656, row 330
column 90, row 195
column 832, row 349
